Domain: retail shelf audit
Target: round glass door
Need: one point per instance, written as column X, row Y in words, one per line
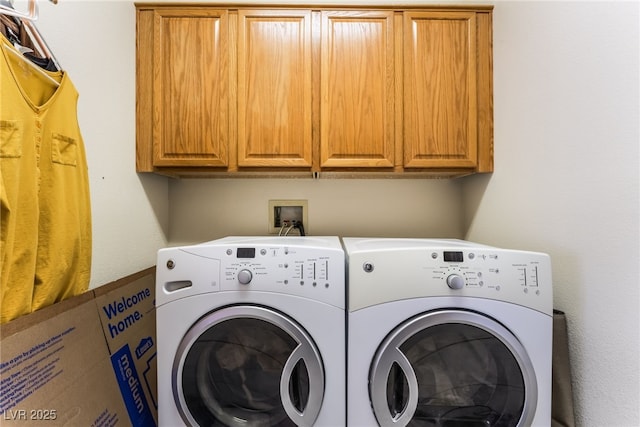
column 248, row 366
column 452, row 368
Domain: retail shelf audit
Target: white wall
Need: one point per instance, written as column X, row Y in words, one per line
column 566, row 181
column 95, row 43
column 207, row 209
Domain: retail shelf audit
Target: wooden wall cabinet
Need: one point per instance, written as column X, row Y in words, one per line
column 274, row 88
column 357, row 81
column 346, row 92
column 188, row 116
column 447, row 90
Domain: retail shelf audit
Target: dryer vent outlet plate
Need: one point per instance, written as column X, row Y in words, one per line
column 283, row 213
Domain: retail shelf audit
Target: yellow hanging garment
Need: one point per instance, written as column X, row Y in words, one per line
column 45, row 246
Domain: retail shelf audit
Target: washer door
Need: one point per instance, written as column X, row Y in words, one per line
column 451, row 368
column 248, row 366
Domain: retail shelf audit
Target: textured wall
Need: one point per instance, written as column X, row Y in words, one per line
column 566, row 181
column 207, row 209
column 95, row 43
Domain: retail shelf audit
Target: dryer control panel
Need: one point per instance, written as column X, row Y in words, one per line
column 268, row 267
column 478, row 269
column 309, row 267
column 411, row 268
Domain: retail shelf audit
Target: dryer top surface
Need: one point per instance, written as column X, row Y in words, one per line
column 354, row 244
column 329, row 242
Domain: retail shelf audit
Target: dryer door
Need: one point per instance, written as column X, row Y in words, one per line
column 248, row 366
column 452, row 367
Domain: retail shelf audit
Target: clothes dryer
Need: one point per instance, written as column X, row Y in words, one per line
column 251, row 332
column 447, row 333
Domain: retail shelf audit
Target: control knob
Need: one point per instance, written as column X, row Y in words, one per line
column 455, row 281
column 245, row 276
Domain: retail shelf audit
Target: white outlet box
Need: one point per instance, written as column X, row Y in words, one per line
column 287, row 210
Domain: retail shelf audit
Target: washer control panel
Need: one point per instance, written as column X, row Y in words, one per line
column 311, row 267
column 277, row 266
column 382, row 271
column 490, row 270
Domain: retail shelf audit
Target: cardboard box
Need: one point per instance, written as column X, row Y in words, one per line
column 128, row 316
column 58, row 366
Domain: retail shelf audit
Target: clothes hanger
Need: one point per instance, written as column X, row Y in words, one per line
column 35, row 36
column 6, row 8
column 35, row 67
column 11, row 25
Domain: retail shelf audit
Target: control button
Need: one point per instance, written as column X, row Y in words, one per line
column 244, row 277
column 455, row 281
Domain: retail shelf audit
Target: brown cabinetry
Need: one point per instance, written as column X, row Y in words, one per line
column 440, row 84
column 226, row 90
column 189, row 118
column 447, row 62
column 357, row 74
column 274, row 88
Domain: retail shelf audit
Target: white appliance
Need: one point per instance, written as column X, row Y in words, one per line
column 251, row 332
column 447, row 333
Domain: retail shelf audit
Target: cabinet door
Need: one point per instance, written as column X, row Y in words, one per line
column 274, row 88
column 191, row 84
column 357, row 89
column 440, row 109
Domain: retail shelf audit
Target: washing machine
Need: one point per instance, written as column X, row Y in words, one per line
column 447, row 333
column 251, row 332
